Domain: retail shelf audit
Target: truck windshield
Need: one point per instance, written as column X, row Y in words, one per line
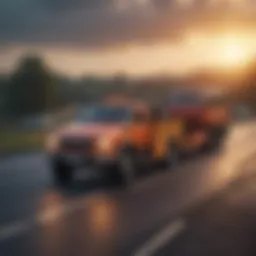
column 103, row 114
column 185, row 99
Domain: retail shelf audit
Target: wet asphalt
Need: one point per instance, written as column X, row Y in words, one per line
column 94, row 217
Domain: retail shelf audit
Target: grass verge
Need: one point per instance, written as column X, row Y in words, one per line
column 19, row 141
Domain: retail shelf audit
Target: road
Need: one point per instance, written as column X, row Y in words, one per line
column 223, row 225
column 92, row 218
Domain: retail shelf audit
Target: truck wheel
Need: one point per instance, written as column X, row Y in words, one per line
column 220, row 135
column 127, row 168
column 172, row 157
column 216, row 136
column 62, row 174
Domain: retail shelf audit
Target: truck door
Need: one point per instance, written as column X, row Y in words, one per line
column 141, row 131
column 167, row 130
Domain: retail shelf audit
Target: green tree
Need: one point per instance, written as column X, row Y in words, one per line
column 3, row 96
column 31, row 87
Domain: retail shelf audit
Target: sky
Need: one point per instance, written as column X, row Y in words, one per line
column 138, row 37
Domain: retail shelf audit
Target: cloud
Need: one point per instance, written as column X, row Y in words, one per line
column 91, row 23
column 163, row 4
column 94, row 23
column 65, row 5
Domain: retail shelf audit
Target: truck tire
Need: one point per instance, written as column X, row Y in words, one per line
column 127, row 167
column 172, row 157
column 217, row 136
column 61, row 173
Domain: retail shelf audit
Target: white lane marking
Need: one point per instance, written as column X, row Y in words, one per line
column 159, row 240
column 14, row 229
column 48, row 216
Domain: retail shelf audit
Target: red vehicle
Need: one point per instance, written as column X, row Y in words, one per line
column 201, row 112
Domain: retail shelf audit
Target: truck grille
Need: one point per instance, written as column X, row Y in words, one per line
column 84, row 145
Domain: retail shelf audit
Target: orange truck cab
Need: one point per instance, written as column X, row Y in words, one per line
column 101, row 136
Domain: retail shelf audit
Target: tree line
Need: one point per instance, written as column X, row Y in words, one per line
column 34, row 88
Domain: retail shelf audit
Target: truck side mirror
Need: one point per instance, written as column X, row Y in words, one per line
column 156, row 115
column 139, row 117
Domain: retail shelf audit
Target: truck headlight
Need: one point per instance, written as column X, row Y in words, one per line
column 52, row 143
column 104, row 144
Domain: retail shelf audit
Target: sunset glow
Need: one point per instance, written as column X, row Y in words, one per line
column 234, row 55
column 195, row 51
column 234, row 51
column 135, row 37
column 223, row 49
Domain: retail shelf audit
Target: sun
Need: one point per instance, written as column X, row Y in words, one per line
column 232, row 52
column 230, row 49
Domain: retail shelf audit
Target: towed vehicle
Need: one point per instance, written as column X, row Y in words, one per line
column 201, row 112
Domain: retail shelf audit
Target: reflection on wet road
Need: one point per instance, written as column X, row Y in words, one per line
column 223, row 225
column 92, row 218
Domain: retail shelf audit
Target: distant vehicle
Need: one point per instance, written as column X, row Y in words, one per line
column 242, row 112
column 119, row 138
